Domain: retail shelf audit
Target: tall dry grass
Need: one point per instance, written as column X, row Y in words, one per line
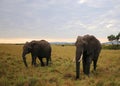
column 60, row 73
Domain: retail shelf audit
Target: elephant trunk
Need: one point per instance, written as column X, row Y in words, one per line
column 79, row 57
column 77, row 69
column 24, row 59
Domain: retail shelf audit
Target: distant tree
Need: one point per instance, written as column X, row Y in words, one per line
column 111, row 38
column 117, row 38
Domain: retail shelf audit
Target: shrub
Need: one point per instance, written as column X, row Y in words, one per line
column 114, row 47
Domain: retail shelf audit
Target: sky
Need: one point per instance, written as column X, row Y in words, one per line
column 57, row 20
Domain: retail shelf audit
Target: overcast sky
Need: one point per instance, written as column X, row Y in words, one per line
column 58, row 20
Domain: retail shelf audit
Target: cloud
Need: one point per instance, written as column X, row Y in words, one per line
column 99, row 3
column 100, row 25
column 63, row 19
column 82, row 1
column 109, row 25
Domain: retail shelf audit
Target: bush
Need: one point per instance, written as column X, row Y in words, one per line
column 114, row 47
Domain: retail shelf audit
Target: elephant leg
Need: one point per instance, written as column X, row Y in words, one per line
column 42, row 63
column 84, row 64
column 77, row 70
column 87, row 65
column 87, row 69
column 47, row 60
column 95, row 64
column 95, row 59
column 34, row 61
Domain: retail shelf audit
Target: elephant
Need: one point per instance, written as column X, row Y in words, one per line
column 40, row 49
column 87, row 49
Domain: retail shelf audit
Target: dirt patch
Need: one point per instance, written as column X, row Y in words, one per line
column 68, row 76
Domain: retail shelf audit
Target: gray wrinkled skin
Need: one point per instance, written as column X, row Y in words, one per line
column 40, row 49
column 89, row 47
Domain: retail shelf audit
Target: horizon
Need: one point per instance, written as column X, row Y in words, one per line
column 23, row 40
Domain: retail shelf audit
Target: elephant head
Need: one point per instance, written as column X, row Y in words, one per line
column 26, row 49
column 80, row 46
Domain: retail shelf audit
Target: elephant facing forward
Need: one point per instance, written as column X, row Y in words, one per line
column 87, row 50
column 40, row 49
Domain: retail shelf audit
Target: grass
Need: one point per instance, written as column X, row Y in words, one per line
column 60, row 73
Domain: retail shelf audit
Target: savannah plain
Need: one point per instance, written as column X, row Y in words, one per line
column 62, row 70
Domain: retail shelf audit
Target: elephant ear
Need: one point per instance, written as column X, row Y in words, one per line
column 80, row 41
column 28, row 45
column 32, row 43
column 85, row 39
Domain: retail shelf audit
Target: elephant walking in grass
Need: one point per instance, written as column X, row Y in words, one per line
column 40, row 49
column 87, row 49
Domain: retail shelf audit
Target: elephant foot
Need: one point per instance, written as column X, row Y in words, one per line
column 93, row 71
column 47, row 64
column 42, row 65
column 86, row 73
column 34, row 65
column 50, row 64
column 77, row 77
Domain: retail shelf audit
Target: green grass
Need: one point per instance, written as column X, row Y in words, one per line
column 60, row 73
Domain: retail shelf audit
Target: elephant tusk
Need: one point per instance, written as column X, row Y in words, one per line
column 80, row 58
column 74, row 59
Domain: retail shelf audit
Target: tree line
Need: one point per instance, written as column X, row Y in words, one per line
column 114, row 37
